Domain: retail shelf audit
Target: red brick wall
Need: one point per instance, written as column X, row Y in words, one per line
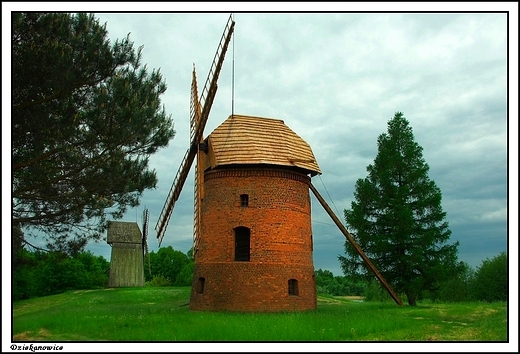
column 279, row 219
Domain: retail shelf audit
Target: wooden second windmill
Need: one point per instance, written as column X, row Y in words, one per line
column 129, row 251
column 252, row 239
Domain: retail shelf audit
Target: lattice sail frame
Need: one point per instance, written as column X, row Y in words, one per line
column 198, row 187
column 197, row 126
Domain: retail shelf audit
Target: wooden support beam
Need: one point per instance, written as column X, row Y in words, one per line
column 354, row 244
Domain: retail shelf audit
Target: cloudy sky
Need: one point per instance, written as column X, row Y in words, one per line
column 336, row 79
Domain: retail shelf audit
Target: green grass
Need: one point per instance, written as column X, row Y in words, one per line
column 162, row 314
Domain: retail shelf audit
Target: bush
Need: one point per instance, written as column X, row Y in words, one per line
column 39, row 273
column 159, row 280
column 374, row 292
column 490, row 282
column 328, row 284
column 25, row 281
column 457, row 288
column 62, row 273
column 169, row 263
column 185, row 277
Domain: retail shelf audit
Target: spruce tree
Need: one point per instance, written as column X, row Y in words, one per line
column 397, row 218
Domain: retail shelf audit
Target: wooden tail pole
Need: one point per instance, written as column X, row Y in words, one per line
column 355, row 245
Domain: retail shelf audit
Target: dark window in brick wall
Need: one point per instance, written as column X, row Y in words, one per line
column 293, row 287
column 242, row 241
column 200, row 285
column 244, row 200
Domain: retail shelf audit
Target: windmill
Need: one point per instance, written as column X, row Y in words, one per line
column 252, row 234
column 126, row 258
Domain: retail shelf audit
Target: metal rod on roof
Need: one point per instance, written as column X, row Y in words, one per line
column 233, row 76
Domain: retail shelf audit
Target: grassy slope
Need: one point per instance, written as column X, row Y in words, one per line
column 162, row 314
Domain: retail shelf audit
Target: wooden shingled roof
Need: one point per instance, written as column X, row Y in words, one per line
column 256, row 140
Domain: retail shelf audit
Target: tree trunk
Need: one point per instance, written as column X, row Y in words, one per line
column 412, row 299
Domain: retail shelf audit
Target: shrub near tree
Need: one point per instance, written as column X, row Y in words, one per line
column 397, row 218
column 491, row 280
column 456, row 288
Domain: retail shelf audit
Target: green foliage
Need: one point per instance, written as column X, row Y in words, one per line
column 185, row 276
column 86, row 116
column 322, row 279
column 328, row 284
column 159, row 280
column 490, row 283
column 25, row 278
column 171, row 264
column 45, row 273
column 375, row 293
column 397, row 218
column 62, row 273
column 17, row 243
column 456, row 288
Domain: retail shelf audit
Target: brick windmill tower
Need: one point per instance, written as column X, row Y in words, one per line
column 254, row 249
column 252, row 239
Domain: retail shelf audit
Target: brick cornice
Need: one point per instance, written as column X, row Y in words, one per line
column 257, row 172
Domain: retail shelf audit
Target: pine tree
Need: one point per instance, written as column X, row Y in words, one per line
column 397, row 218
column 86, row 116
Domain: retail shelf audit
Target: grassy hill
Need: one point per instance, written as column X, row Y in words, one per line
column 162, row 314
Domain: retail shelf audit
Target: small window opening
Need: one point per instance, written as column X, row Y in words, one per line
column 242, row 244
column 200, row 285
column 244, row 200
column 293, row 287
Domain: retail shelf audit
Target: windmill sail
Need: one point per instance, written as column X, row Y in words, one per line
column 198, row 189
column 206, row 101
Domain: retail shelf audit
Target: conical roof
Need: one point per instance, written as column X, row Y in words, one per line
column 246, row 140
